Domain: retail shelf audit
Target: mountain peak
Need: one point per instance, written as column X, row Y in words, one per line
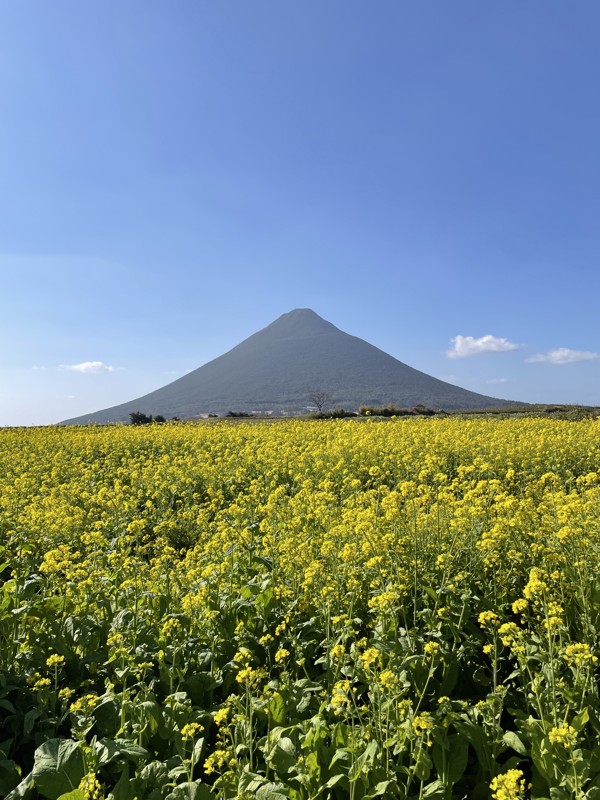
column 275, row 370
column 300, row 323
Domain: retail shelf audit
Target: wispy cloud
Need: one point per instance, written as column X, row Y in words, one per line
column 563, row 355
column 87, row 367
column 498, row 380
column 465, row 346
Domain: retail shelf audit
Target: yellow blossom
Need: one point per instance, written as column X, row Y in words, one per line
column 510, row 785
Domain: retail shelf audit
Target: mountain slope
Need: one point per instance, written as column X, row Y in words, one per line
column 276, row 369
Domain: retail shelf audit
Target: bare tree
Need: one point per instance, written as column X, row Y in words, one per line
column 319, row 399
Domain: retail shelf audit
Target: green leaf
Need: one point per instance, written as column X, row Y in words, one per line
column 341, row 735
column 76, row 794
column 58, row 767
column 511, row 739
column 191, row 791
column 29, row 720
column 335, row 780
column 581, row 720
column 272, row 791
column 365, row 760
column 457, row 758
column 423, row 765
column 250, row 782
column 542, row 759
column 339, row 755
column 313, row 767
column 559, row 794
column 123, row 788
column 200, row 686
column 277, row 709
column 23, row 791
column 434, row 789
column 9, row 776
column 108, row 750
column 153, row 713
column 282, row 756
column 479, row 740
column 107, row 716
column 379, row 790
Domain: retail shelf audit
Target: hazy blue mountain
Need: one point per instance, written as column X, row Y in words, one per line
column 276, row 369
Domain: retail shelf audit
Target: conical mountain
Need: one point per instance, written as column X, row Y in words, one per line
column 277, row 369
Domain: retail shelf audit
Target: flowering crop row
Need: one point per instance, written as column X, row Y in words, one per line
column 337, row 609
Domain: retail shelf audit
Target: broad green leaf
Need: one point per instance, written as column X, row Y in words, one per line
column 379, row 790
column 313, row 766
column 434, row 789
column 191, row 791
column 58, row 767
column 272, row 791
column 107, row 716
column 23, row 791
column 511, row 739
column 277, row 709
column 76, row 794
column 581, row 720
column 339, row 755
column 333, row 781
column 123, row 788
column 108, row 750
column 559, row 794
column 457, row 758
column 251, row 782
column 9, row 776
column 282, row 756
column 423, row 765
column 364, row 761
column 29, row 720
column 155, row 771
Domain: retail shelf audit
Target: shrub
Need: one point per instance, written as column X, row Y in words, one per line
column 139, row 418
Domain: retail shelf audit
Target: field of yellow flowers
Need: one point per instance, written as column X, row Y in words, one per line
column 327, row 609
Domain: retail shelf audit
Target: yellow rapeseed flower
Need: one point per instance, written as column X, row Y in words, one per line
column 510, row 785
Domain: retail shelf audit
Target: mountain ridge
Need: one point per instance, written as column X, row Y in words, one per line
column 276, row 369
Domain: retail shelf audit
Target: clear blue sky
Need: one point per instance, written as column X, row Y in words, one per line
column 176, row 175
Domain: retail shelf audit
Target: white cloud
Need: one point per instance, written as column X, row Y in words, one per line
column 87, row 367
column 498, row 380
column 464, row 346
column 563, row 355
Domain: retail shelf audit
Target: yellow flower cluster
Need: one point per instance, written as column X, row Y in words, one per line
column 191, row 730
column 510, row 785
column 90, row 787
column 564, row 735
column 85, row 704
column 384, row 556
column 423, row 723
column 579, row 654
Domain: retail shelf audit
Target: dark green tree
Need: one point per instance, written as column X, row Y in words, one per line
column 138, row 418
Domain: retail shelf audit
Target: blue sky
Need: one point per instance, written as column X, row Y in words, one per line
column 176, row 175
